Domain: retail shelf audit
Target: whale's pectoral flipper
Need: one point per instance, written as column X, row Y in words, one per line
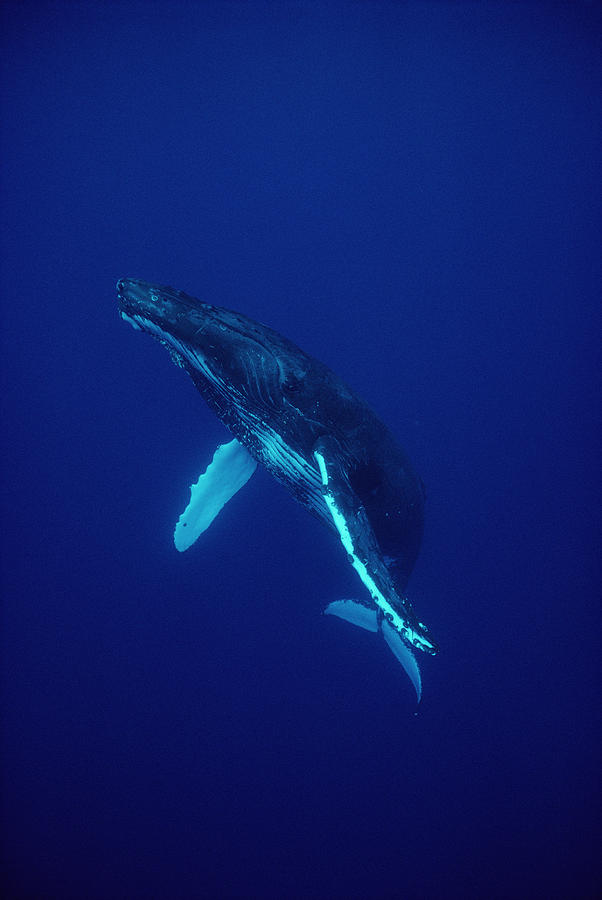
column 230, row 469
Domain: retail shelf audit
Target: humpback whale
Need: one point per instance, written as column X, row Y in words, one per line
column 291, row 413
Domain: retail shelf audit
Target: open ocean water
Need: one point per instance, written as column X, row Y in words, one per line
column 410, row 192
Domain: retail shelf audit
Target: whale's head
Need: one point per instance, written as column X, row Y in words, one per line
column 228, row 355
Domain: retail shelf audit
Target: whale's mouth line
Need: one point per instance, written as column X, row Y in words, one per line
column 131, row 320
column 127, row 288
column 140, row 316
column 144, row 323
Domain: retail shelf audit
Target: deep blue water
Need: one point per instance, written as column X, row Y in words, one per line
column 410, row 193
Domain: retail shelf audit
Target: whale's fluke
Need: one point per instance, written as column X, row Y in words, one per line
column 405, row 656
column 357, row 614
column 354, row 612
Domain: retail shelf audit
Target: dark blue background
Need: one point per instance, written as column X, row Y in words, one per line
column 409, row 192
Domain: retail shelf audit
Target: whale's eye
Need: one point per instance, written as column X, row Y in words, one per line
column 291, row 385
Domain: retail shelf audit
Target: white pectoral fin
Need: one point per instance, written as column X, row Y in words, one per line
column 230, row 469
column 354, row 612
